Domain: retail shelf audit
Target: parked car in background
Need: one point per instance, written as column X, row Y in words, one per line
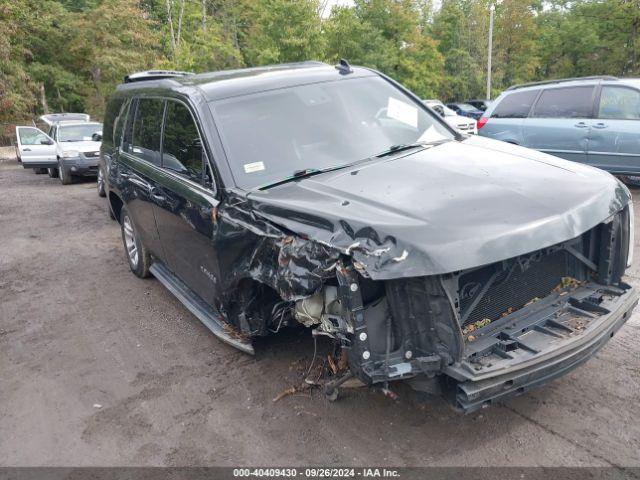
column 77, row 149
column 38, row 148
column 464, row 124
column 465, row 110
column 480, row 104
column 334, row 198
column 35, row 149
column 593, row 120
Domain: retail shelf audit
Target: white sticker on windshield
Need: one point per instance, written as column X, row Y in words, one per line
column 431, row 135
column 402, row 112
column 253, row 167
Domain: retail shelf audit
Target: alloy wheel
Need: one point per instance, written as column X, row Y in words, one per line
column 130, row 241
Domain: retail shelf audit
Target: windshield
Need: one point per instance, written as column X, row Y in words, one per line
column 270, row 135
column 78, row 133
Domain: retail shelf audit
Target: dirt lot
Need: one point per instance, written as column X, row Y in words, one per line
column 98, row 367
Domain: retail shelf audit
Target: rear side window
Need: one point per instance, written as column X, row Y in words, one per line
column 574, row 102
column 181, row 147
column 110, row 116
column 515, row 105
column 145, row 142
column 120, row 122
column 619, row 103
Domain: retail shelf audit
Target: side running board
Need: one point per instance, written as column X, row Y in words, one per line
column 200, row 309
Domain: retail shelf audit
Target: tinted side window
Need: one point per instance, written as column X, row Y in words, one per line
column 574, row 102
column 182, row 148
column 128, row 127
column 119, row 123
column 619, row 103
column 110, row 114
column 145, row 142
column 515, row 105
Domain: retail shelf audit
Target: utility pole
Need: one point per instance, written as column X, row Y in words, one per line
column 491, row 8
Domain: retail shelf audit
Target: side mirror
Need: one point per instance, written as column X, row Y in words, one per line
column 439, row 110
column 46, row 141
column 96, row 137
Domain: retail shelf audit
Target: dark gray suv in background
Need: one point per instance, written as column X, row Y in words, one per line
column 593, row 120
column 333, row 198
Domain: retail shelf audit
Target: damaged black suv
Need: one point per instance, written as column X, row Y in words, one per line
column 333, row 197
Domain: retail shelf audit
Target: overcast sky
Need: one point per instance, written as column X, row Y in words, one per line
column 328, row 5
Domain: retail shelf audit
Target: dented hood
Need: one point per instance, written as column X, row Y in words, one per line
column 446, row 208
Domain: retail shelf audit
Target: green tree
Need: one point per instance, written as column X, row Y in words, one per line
column 108, row 42
column 282, row 31
column 195, row 39
column 516, row 46
column 389, row 35
column 17, row 92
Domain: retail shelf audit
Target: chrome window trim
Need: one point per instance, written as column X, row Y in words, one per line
column 213, row 190
column 211, row 194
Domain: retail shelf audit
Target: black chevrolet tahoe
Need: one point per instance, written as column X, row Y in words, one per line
column 332, row 197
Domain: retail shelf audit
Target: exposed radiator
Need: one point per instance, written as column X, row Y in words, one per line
column 515, row 282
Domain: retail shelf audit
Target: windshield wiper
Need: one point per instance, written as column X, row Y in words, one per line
column 409, row 146
column 310, row 172
column 304, row 173
column 399, row 148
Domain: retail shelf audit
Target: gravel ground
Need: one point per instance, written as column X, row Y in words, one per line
column 100, row 368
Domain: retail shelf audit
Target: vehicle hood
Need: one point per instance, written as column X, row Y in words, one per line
column 88, row 146
column 449, row 207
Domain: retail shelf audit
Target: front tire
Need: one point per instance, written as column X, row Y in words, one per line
column 137, row 254
column 101, row 190
column 65, row 176
column 53, row 172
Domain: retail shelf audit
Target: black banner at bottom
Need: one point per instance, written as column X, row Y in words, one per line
column 399, row 473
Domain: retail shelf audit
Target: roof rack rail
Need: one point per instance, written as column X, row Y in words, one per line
column 561, row 80
column 154, row 75
column 51, row 118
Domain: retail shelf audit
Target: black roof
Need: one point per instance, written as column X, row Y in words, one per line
column 231, row 83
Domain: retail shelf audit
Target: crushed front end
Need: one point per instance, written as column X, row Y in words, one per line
column 478, row 335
